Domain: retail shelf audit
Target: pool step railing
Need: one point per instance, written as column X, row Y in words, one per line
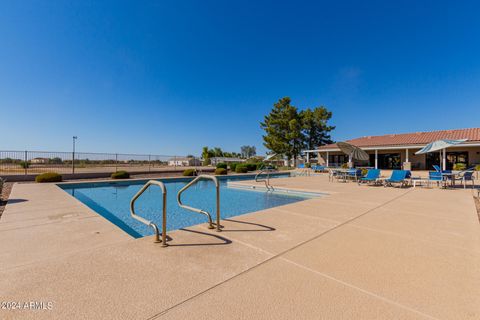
column 164, row 211
column 266, row 180
column 208, row 215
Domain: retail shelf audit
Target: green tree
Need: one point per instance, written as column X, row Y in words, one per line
column 315, row 127
column 55, row 160
column 206, row 155
column 217, row 152
column 283, row 130
column 25, row 164
column 248, row 151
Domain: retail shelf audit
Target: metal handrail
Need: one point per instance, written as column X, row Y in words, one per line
column 267, row 180
column 164, row 211
column 217, row 187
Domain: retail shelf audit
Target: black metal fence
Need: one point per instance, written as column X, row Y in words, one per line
column 35, row 162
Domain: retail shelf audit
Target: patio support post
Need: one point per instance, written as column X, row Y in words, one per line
column 376, row 159
column 407, row 165
column 444, row 160
column 308, row 156
column 327, row 158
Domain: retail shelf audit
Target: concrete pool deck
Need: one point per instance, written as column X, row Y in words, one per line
column 358, row 253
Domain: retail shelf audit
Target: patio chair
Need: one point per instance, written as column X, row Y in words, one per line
column 437, row 168
column 302, row 170
column 435, row 176
column 334, row 174
column 354, row 173
column 398, row 177
column 372, row 176
column 465, row 176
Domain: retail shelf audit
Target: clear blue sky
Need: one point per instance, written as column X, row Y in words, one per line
column 169, row 77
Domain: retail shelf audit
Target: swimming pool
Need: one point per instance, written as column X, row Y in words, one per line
column 112, row 201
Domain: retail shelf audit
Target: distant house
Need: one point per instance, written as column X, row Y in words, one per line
column 215, row 160
column 40, row 160
column 183, row 162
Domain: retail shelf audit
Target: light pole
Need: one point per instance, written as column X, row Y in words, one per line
column 74, row 138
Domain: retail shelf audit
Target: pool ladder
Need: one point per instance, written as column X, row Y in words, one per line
column 266, row 180
column 179, row 200
column 217, row 189
column 164, row 211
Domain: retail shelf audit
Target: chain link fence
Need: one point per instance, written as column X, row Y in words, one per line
column 36, row 162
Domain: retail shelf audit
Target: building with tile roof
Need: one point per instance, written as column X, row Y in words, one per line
column 395, row 151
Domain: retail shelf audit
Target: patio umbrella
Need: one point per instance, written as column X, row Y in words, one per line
column 352, row 151
column 440, row 145
column 270, row 156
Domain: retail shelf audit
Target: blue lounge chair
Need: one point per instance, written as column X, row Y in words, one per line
column 438, row 169
column 435, row 176
column 371, row 176
column 399, row 177
column 301, row 166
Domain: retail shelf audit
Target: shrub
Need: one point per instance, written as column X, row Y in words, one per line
column 254, row 159
column 251, row 166
column 24, row 164
column 477, row 167
column 345, row 166
column 241, row 169
column 233, row 166
column 1, row 187
column 459, row 166
column 307, row 165
column 189, row 172
column 220, row 171
column 222, row 165
column 120, row 175
column 261, row 165
column 48, row 177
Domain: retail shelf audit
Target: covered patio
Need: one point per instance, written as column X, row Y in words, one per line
column 397, row 151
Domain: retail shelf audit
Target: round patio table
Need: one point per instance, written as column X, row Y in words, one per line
column 449, row 176
column 343, row 173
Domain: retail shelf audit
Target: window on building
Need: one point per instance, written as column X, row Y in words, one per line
column 456, row 157
column 387, row 160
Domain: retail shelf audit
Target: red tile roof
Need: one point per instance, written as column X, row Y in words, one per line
column 422, row 138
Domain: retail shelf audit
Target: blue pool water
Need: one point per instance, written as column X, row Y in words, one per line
column 112, row 201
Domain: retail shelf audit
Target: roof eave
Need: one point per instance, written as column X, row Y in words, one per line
column 393, row 147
